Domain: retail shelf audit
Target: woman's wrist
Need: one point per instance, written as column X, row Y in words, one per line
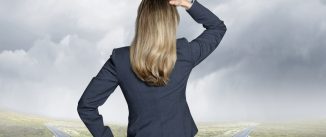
column 188, row 5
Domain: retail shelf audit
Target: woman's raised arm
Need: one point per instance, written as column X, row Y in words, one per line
column 207, row 41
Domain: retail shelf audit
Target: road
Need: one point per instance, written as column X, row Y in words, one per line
column 244, row 133
column 56, row 132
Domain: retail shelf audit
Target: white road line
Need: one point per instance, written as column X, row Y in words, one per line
column 56, row 132
column 244, row 133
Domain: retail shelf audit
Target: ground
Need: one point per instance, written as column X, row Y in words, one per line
column 14, row 124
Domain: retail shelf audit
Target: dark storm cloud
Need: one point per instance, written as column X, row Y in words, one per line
column 23, row 22
column 323, row 2
column 282, row 38
column 275, row 59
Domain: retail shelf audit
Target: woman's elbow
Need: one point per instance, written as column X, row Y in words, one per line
column 82, row 106
column 223, row 26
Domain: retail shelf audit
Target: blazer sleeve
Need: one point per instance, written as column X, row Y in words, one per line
column 207, row 41
column 96, row 93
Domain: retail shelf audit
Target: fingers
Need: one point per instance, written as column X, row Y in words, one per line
column 175, row 2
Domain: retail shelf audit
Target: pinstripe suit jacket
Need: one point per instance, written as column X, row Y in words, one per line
column 153, row 111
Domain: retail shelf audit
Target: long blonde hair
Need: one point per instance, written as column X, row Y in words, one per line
column 153, row 49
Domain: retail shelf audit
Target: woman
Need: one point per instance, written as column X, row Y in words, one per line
column 153, row 72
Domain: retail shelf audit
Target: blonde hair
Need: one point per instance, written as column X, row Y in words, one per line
column 153, row 49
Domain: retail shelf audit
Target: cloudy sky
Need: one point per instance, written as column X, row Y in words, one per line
column 269, row 66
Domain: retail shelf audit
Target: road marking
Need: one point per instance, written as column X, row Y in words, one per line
column 244, row 133
column 56, row 132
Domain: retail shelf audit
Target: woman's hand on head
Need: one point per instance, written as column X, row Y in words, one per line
column 183, row 3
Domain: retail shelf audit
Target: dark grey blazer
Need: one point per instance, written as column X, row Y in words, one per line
column 153, row 111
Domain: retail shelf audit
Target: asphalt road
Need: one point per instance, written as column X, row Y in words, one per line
column 244, row 133
column 56, row 132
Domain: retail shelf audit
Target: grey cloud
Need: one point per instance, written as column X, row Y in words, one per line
column 323, row 2
column 272, row 56
column 22, row 23
column 275, row 60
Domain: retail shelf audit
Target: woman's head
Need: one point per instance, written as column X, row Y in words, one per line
column 153, row 49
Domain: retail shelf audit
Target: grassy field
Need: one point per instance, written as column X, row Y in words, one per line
column 291, row 129
column 18, row 125
column 25, row 125
column 225, row 129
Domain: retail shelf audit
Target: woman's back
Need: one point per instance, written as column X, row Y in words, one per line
column 156, row 111
column 153, row 111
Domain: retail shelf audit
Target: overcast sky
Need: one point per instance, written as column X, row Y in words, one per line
column 269, row 66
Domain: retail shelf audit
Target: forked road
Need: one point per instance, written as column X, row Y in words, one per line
column 56, row 132
column 244, row 133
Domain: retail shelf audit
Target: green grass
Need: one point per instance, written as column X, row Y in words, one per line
column 18, row 125
column 291, row 129
column 224, row 129
column 14, row 124
column 78, row 129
